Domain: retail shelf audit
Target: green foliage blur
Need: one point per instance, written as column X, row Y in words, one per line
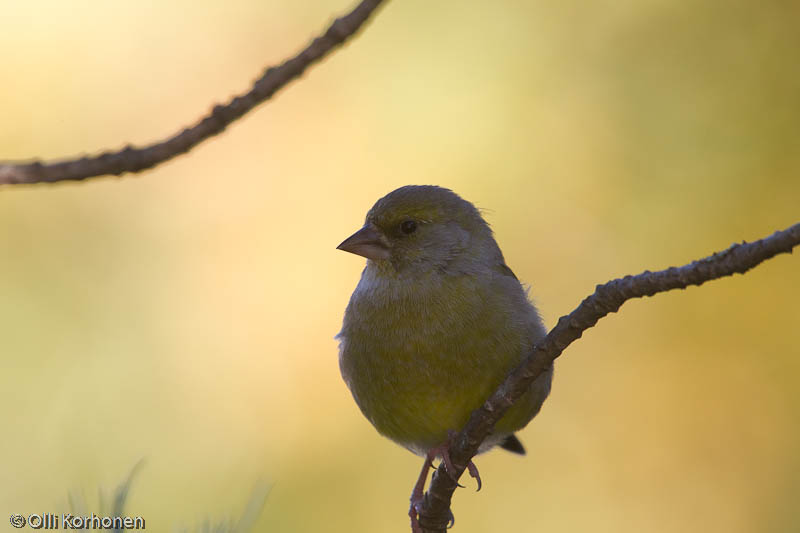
column 187, row 315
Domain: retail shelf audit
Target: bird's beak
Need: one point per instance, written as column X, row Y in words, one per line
column 366, row 242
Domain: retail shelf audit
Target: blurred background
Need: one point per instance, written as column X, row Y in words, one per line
column 186, row 315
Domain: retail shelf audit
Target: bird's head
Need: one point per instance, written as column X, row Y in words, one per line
column 422, row 228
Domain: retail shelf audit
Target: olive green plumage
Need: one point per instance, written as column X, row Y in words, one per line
column 436, row 322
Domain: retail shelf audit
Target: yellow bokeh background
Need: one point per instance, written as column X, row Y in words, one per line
column 187, row 315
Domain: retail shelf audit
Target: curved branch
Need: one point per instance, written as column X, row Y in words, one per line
column 132, row 159
column 607, row 298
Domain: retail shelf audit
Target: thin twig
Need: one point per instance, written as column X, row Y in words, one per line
column 132, row 159
column 606, row 299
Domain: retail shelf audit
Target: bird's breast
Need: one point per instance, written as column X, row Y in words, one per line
column 419, row 359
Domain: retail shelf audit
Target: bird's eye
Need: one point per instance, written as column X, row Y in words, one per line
column 408, row 227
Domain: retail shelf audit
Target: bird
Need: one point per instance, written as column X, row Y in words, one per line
column 435, row 324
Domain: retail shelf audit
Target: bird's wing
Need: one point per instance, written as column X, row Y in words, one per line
column 503, row 269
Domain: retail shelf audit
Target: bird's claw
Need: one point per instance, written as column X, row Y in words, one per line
column 418, row 494
column 416, row 508
column 451, row 473
column 451, row 470
column 473, row 471
column 452, row 520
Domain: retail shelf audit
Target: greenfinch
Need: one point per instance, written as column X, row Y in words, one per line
column 435, row 324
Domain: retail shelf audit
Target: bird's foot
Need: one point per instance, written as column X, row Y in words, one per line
column 418, row 494
column 414, row 513
column 444, row 451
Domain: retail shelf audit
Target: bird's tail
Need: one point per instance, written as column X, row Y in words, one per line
column 512, row 444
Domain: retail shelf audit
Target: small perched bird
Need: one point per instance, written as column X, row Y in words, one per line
column 436, row 323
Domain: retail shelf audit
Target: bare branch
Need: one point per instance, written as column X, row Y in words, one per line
column 132, row 159
column 607, row 298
